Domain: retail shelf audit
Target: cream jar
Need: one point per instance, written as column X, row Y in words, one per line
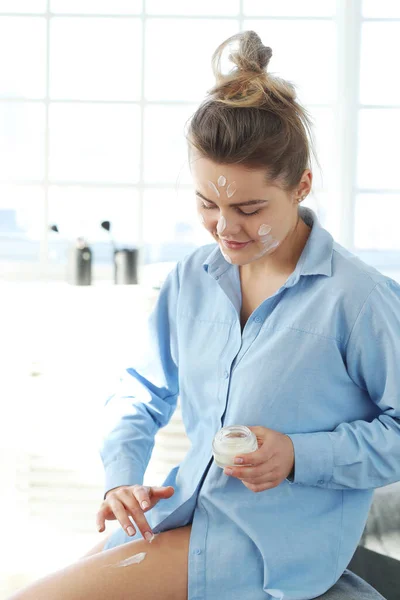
column 232, row 441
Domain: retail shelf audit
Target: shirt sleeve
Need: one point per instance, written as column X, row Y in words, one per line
column 362, row 454
column 146, row 396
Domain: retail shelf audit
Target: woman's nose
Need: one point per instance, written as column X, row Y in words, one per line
column 227, row 225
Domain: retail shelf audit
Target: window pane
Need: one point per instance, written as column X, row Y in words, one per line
column 165, row 155
column 378, row 149
column 206, row 7
column 289, row 8
column 96, row 70
column 79, row 211
column 324, row 134
column 171, row 227
column 327, row 207
column 381, row 9
column 128, row 7
column 21, row 211
column 378, row 81
column 94, row 142
column 21, row 225
column 22, row 135
column 178, row 56
column 295, row 58
column 21, row 6
column 23, row 42
column 377, row 218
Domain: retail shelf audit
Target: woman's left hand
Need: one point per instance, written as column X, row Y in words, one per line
column 270, row 464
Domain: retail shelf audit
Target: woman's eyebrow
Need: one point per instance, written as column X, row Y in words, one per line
column 248, row 203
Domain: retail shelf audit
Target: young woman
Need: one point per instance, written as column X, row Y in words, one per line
column 277, row 327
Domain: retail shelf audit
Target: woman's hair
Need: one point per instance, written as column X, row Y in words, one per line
column 253, row 118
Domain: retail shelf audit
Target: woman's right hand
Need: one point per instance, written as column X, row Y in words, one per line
column 128, row 500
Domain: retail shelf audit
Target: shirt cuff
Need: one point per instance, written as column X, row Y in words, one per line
column 313, row 458
column 290, row 477
column 122, row 472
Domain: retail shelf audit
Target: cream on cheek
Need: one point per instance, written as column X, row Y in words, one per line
column 266, row 240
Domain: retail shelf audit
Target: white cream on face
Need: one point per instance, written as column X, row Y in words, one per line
column 231, row 189
column 214, row 188
column 227, row 258
column 267, row 241
column 221, row 225
column 264, row 229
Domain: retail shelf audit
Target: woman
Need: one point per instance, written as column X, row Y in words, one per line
column 276, row 327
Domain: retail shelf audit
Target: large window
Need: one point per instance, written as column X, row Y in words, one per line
column 94, row 96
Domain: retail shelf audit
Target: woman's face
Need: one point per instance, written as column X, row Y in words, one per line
column 247, row 217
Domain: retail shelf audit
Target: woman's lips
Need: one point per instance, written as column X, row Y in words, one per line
column 235, row 245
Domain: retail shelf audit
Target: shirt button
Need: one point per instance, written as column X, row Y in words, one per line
column 320, row 481
column 197, row 551
column 226, row 374
column 258, row 319
column 217, row 277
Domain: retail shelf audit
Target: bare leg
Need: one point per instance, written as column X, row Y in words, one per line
column 161, row 574
column 98, row 547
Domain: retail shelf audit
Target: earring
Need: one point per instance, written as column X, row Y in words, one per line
column 301, row 199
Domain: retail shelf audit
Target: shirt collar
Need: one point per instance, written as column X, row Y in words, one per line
column 316, row 258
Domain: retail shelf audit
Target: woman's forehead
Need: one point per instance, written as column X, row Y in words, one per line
column 205, row 170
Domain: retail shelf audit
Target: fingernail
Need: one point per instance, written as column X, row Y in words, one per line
column 145, row 504
column 130, row 531
column 228, row 471
column 149, row 536
column 238, row 461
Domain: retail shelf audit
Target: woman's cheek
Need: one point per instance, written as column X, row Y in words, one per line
column 209, row 222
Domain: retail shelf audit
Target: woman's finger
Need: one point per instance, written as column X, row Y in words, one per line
column 120, row 512
column 142, row 494
column 131, row 503
column 245, row 472
column 100, row 519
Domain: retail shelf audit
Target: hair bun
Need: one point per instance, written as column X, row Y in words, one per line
column 248, row 83
column 251, row 55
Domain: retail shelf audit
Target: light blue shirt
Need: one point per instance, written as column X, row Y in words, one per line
column 319, row 361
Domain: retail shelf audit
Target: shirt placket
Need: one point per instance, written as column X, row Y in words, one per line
column 197, row 554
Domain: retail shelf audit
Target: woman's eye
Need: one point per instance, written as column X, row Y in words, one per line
column 249, row 214
column 238, row 210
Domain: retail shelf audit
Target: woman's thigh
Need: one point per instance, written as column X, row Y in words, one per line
column 351, row 587
column 99, row 547
column 111, row 574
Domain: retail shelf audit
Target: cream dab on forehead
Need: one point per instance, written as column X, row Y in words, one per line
column 214, row 188
column 230, row 190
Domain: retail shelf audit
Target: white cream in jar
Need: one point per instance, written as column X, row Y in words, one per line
column 232, row 441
